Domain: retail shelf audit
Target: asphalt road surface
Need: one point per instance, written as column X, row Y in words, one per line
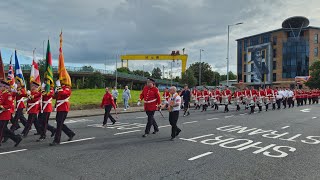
column 281, row 144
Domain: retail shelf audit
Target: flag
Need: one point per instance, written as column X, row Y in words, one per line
column 34, row 75
column 11, row 79
column 48, row 75
column 2, row 74
column 18, row 70
column 62, row 71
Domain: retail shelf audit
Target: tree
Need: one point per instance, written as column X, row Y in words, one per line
column 141, row 73
column 95, row 80
column 207, row 73
column 156, row 73
column 232, row 76
column 314, row 81
column 188, row 78
column 87, row 69
column 124, row 70
column 42, row 67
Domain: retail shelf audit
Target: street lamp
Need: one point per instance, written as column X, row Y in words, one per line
column 200, row 68
column 228, row 50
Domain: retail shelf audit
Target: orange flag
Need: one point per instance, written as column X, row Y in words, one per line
column 64, row 77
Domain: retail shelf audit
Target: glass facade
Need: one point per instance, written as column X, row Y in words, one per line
column 239, row 69
column 295, row 57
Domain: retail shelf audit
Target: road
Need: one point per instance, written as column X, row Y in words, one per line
column 282, row 144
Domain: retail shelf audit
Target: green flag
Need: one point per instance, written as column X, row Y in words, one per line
column 48, row 75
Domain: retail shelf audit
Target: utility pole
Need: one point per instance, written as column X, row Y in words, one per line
column 143, row 70
column 116, row 72
column 162, row 71
column 200, row 68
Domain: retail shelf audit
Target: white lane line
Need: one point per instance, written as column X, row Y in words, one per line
column 314, row 117
column 9, row 152
column 164, row 126
column 228, row 116
column 200, row 156
column 127, row 132
column 285, row 127
column 305, row 110
column 212, row 119
column 141, row 117
column 243, row 114
column 193, row 139
column 76, row 121
column 190, row 122
column 78, row 140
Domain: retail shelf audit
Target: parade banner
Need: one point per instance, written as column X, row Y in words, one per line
column 64, row 76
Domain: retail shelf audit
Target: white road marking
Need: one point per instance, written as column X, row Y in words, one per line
column 212, row 119
column 305, row 110
column 228, row 116
column 78, row 140
column 9, row 152
column 141, row 117
column 190, row 122
column 243, row 114
column 193, row 139
column 285, row 127
column 200, row 156
column 76, row 121
column 164, row 126
column 127, row 132
column 314, row 117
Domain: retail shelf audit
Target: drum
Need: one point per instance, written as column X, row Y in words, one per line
column 266, row 100
column 259, row 101
column 202, row 101
column 225, row 100
column 213, row 100
column 237, row 101
column 250, row 101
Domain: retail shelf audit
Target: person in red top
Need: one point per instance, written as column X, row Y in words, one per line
column 227, row 94
column 62, row 97
column 309, row 95
column 45, row 112
column 20, row 97
column 6, row 104
column 206, row 98
column 198, row 95
column 261, row 96
column 166, row 95
column 237, row 95
column 253, row 95
column 34, row 98
column 268, row 94
column 217, row 95
column 151, row 96
column 108, row 103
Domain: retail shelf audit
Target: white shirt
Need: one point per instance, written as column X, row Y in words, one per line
column 285, row 93
column 280, row 94
column 115, row 93
column 177, row 100
column 290, row 93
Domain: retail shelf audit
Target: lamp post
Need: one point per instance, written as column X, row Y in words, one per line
column 116, row 72
column 228, row 49
column 200, row 68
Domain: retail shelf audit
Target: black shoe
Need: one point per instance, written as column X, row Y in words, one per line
column 53, row 133
column 18, row 141
column 114, row 122
column 5, row 139
column 54, row 144
column 36, row 133
column 145, row 135
column 178, row 132
column 71, row 137
column 155, row 132
column 41, row 139
column 188, row 114
column 172, row 139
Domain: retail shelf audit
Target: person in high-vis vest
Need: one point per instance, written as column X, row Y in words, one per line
column 62, row 108
column 6, row 105
column 33, row 109
column 152, row 100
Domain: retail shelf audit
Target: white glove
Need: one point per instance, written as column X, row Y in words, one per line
column 58, row 84
column 139, row 103
column 15, row 86
column 13, row 90
column 28, row 92
column 43, row 85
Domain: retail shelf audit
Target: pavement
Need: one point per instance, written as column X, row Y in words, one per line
column 281, row 144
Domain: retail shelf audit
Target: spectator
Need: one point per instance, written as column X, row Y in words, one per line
column 126, row 96
column 115, row 95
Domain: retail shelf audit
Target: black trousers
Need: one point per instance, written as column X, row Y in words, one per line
column 108, row 115
column 305, row 101
column 186, row 106
column 284, row 102
column 60, row 118
column 6, row 133
column 173, row 119
column 278, row 101
column 44, row 124
column 151, row 122
column 290, row 102
column 32, row 118
column 309, row 100
column 15, row 121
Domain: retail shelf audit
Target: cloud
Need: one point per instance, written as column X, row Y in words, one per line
column 97, row 30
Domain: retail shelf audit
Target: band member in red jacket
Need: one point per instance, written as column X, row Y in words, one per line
column 33, row 109
column 237, row 95
column 253, row 96
column 45, row 112
column 20, row 96
column 166, row 94
column 226, row 94
column 199, row 95
column 206, row 98
column 108, row 103
column 260, row 98
column 268, row 95
column 62, row 107
column 6, row 105
column 152, row 100
column 217, row 95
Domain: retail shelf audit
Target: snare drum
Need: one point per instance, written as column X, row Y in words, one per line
column 225, row 100
column 202, row 101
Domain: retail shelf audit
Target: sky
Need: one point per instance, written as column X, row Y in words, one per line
column 96, row 32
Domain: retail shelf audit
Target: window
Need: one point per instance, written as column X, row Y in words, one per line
column 245, row 44
column 245, row 58
column 274, row 53
column 316, row 38
column 274, row 40
column 245, row 78
column 263, row 54
column 274, row 65
column 245, row 68
column 252, row 67
column 274, row 77
column 315, row 51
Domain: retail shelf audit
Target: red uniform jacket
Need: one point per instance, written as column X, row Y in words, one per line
column 166, row 95
column 253, row 93
column 20, row 95
column 34, row 103
column 237, row 94
column 261, row 93
column 107, row 100
column 268, row 92
column 227, row 92
column 62, row 98
column 199, row 95
column 151, row 97
column 6, row 100
column 206, row 95
column 47, row 101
